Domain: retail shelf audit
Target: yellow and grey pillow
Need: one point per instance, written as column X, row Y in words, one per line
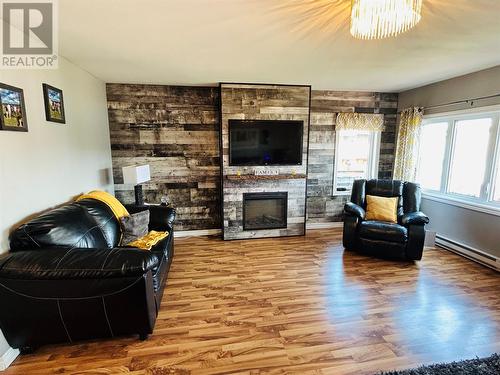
column 134, row 226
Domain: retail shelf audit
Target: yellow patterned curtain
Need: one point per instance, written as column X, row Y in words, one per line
column 360, row 121
column 405, row 165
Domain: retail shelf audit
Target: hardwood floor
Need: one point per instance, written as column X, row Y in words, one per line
column 298, row 305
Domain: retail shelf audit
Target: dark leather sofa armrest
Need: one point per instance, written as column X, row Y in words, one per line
column 60, row 263
column 354, row 210
column 416, row 217
column 161, row 217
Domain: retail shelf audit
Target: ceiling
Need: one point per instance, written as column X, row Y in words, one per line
column 203, row 42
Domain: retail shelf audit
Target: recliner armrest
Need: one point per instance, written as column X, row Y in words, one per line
column 416, row 217
column 354, row 210
column 59, row 263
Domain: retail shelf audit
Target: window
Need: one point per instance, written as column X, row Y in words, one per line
column 459, row 157
column 432, row 153
column 469, row 158
column 356, row 157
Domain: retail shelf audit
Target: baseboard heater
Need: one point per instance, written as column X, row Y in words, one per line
column 468, row 252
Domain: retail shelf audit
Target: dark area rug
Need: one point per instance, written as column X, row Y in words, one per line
column 479, row 366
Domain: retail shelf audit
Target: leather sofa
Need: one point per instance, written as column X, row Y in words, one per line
column 66, row 279
column 404, row 239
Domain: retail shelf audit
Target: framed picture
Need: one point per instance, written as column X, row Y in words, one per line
column 54, row 104
column 12, row 109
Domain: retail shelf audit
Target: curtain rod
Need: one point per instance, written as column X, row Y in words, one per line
column 465, row 101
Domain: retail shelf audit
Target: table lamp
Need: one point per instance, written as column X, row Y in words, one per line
column 136, row 175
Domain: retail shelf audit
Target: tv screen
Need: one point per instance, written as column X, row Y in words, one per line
column 265, row 142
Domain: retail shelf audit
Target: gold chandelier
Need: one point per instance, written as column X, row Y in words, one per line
column 377, row 19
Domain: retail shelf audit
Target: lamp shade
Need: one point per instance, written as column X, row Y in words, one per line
column 136, row 174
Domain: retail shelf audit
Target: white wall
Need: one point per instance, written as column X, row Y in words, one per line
column 52, row 163
column 475, row 229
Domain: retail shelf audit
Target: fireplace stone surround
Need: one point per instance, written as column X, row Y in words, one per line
column 263, row 102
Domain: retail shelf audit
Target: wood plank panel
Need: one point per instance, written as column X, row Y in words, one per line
column 298, row 305
column 176, row 131
column 322, row 203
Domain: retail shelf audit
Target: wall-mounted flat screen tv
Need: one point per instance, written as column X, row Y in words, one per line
column 265, row 142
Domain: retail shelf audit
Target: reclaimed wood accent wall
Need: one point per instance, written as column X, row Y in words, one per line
column 174, row 130
column 322, row 205
column 263, row 102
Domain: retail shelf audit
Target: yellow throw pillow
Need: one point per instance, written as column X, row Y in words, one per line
column 381, row 208
column 149, row 240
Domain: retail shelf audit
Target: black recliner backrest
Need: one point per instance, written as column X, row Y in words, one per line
column 358, row 193
column 380, row 188
column 411, row 197
column 105, row 218
column 408, row 192
column 85, row 224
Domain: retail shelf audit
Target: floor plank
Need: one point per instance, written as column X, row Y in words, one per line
column 298, row 305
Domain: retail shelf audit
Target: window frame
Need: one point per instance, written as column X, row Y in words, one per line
column 373, row 161
column 495, row 166
column 484, row 202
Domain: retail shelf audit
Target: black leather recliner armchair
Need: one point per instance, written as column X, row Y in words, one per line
column 66, row 278
column 404, row 240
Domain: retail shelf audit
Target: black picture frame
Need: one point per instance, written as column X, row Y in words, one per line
column 54, row 109
column 12, row 109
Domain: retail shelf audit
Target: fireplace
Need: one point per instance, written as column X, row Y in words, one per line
column 265, row 210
